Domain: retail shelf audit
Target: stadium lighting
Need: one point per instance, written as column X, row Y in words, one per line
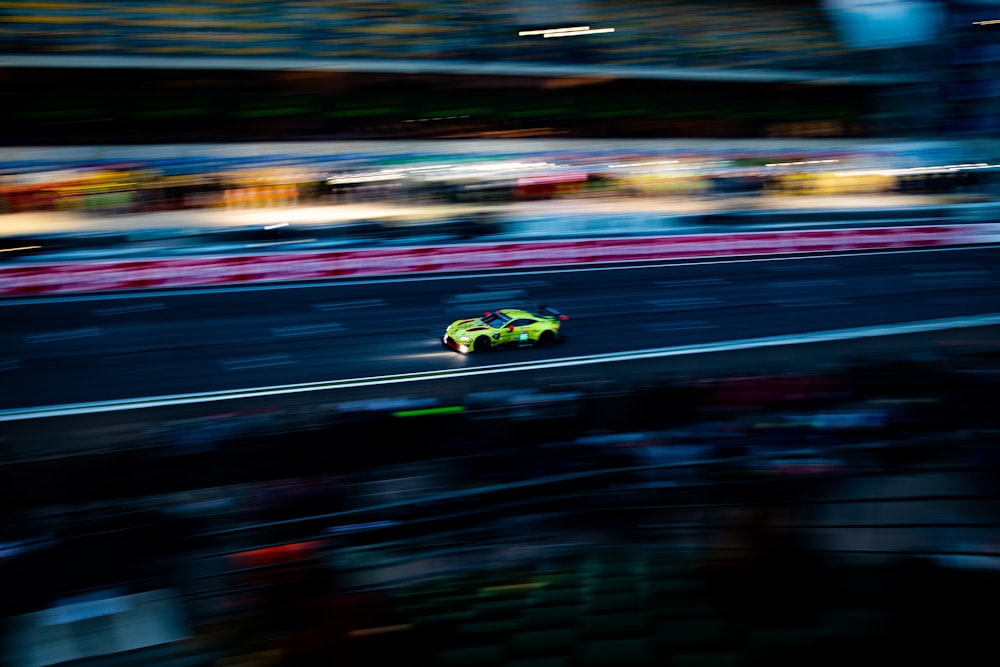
column 525, row 33
column 566, row 33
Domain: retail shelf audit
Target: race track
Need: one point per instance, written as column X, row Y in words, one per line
column 72, row 349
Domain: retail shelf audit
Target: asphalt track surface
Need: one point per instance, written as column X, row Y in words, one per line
column 99, row 348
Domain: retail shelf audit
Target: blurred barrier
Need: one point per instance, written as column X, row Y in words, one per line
column 158, row 273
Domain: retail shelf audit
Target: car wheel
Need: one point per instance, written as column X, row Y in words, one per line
column 546, row 338
column 481, row 344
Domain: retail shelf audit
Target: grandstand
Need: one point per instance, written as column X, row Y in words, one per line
column 81, row 72
column 682, row 32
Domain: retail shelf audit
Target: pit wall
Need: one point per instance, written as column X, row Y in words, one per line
column 100, row 276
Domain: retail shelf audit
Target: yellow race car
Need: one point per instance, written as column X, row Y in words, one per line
column 508, row 327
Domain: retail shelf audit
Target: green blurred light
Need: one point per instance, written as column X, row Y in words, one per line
column 451, row 409
column 277, row 111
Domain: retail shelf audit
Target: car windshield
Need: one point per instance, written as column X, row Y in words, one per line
column 496, row 320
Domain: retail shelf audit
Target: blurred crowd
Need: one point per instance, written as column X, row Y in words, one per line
column 796, row 502
column 792, row 36
column 144, row 186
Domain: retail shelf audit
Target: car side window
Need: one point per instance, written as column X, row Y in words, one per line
column 523, row 322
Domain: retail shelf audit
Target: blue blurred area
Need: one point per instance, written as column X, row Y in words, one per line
column 886, row 23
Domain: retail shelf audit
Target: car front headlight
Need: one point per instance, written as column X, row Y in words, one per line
column 464, row 339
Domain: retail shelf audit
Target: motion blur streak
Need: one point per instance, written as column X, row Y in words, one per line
column 770, row 341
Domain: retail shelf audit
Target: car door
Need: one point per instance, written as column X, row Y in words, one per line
column 517, row 332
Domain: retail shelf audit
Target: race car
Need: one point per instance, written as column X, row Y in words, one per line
column 507, row 327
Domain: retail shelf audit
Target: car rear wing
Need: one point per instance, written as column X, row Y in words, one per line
column 553, row 313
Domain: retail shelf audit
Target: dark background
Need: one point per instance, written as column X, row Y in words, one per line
column 137, row 106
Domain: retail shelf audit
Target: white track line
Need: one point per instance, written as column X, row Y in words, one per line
column 37, row 412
